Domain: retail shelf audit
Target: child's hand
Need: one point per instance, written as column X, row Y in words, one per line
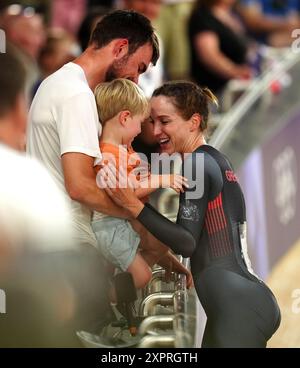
column 175, row 181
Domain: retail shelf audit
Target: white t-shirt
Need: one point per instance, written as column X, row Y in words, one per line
column 33, row 212
column 63, row 118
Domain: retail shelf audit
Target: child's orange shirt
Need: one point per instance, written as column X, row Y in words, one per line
column 133, row 160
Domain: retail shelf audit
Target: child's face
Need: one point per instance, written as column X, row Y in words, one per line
column 133, row 128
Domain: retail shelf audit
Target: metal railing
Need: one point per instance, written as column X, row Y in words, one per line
column 258, row 88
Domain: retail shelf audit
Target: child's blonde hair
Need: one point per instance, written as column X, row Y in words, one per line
column 119, row 95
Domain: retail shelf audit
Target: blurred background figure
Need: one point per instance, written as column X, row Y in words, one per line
column 25, row 29
column 104, row 3
column 40, row 6
column 33, row 213
column 59, row 49
column 68, row 14
column 53, row 287
column 218, row 45
column 172, row 27
column 271, row 21
column 93, row 16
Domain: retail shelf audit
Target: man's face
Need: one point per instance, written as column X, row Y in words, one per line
column 132, row 66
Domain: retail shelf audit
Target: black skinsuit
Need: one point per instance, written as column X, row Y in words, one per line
column 241, row 310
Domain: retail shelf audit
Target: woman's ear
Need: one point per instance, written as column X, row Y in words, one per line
column 124, row 116
column 195, row 122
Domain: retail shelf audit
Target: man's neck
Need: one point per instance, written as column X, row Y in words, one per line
column 93, row 70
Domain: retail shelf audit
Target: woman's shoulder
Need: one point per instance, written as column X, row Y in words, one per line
column 204, row 156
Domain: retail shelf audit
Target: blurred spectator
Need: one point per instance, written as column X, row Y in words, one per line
column 218, row 48
column 32, row 209
column 27, row 33
column 25, row 29
column 13, row 107
column 89, row 23
column 153, row 77
column 104, row 3
column 39, row 5
column 53, row 288
column 172, row 27
column 271, row 21
column 68, row 14
column 149, row 8
column 60, row 48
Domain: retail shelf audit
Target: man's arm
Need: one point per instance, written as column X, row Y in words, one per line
column 80, row 183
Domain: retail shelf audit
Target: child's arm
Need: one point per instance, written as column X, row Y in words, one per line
column 153, row 182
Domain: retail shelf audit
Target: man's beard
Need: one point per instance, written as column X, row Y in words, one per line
column 114, row 71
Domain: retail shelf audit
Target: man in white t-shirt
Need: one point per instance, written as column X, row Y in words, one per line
column 63, row 123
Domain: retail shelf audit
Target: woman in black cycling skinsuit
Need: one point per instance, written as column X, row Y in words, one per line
column 241, row 310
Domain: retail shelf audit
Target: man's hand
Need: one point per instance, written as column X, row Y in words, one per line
column 119, row 189
column 80, row 183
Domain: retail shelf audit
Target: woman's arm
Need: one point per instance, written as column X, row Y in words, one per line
column 183, row 236
column 180, row 240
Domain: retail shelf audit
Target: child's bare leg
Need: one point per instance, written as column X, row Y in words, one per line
column 152, row 249
column 140, row 271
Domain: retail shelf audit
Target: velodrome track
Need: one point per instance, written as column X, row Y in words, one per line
column 283, row 280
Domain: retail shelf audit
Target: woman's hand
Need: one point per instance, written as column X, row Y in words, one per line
column 119, row 189
column 171, row 264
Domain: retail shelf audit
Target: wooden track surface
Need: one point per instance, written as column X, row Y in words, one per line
column 284, row 281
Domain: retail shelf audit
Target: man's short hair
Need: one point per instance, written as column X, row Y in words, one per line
column 128, row 24
column 119, row 95
column 12, row 79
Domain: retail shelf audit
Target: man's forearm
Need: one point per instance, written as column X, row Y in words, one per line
column 97, row 200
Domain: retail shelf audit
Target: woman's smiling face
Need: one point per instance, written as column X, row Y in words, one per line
column 170, row 129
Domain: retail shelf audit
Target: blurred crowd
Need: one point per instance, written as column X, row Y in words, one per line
column 208, row 41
